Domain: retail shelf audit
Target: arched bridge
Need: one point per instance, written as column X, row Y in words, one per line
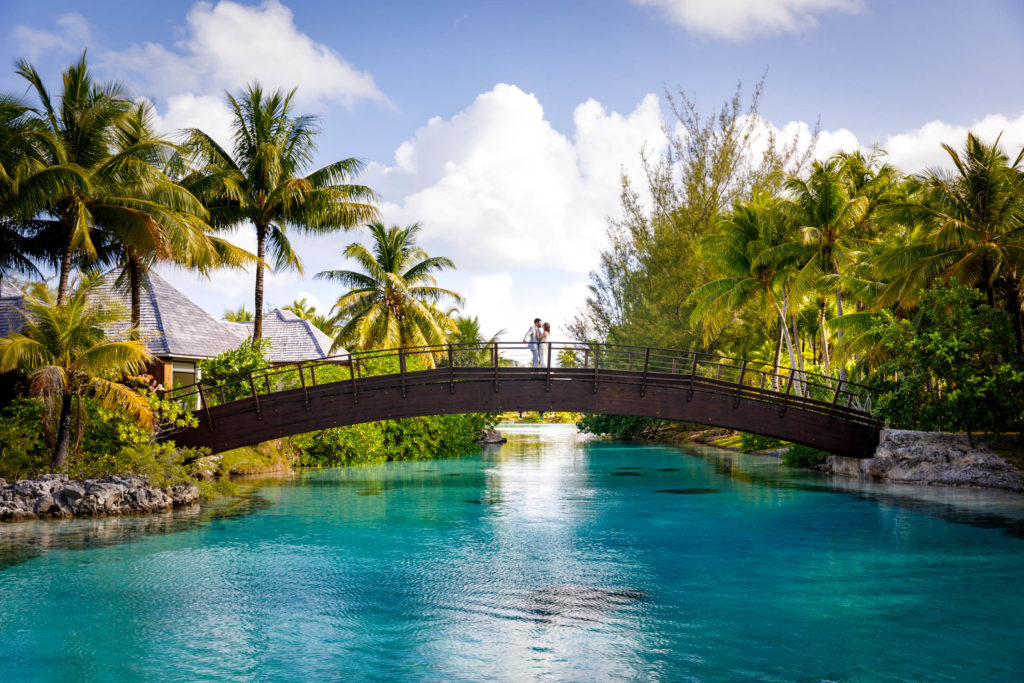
column 816, row 410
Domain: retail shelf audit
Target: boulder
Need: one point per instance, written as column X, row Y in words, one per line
column 490, row 436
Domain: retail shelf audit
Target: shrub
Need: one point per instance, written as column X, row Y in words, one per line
column 756, row 442
column 23, row 450
column 235, row 363
column 620, row 426
column 803, row 456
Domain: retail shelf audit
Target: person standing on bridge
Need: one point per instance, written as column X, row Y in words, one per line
column 532, row 341
column 543, row 343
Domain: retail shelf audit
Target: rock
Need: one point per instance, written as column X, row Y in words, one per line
column 907, row 456
column 490, row 436
column 45, row 505
column 73, row 491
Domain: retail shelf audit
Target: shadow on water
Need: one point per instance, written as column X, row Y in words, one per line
column 914, row 497
column 23, row 541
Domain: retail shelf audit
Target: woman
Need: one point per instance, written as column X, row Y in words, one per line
column 543, row 342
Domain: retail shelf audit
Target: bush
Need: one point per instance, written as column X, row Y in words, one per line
column 803, row 456
column 952, row 372
column 229, row 366
column 756, row 442
column 620, row 426
column 23, row 450
column 418, row 438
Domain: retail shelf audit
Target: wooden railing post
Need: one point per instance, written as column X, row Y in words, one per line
column 353, row 370
column 739, row 387
column 401, row 369
column 312, row 373
column 586, row 358
column 643, row 380
column 547, row 386
column 223, row 400
column 302, row 381
column 266, row 382
column 785, row 397
column 693, row 378
column 494, row 364
column 206, row 409
column 597, row 365
column 255, row 397
column 835, row 398
column 451, row 371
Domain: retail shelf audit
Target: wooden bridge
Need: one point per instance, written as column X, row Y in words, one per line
column 816, row 410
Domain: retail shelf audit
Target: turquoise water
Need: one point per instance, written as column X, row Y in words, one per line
column 552, row 558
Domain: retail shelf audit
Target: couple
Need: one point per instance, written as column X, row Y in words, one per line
column 535, row 338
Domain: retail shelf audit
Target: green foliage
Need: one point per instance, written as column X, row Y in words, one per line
column 952, row 371
column 756, row 442
column 23, row 450
column 249, row 357
column 803, row 456
column 163, row 463
column 620, row 426
column 420, row 438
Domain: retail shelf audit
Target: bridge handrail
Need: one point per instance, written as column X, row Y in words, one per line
column 779, row 383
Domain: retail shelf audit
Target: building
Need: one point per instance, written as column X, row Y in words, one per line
column 179, row 333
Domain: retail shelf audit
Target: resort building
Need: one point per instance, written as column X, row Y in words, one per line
column 179, row 333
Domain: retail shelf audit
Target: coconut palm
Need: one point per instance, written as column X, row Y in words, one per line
column 63, row 350
column 393, row 300
column 19, row 135
column 88, row 189
column 467, row 332
column 755, row 269
column 261, row 181
column 968, row 224
column 238, row 315
column 308, row 312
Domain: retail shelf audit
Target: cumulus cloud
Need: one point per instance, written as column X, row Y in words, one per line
column 72, row 35
column 736, row 19
column 228, row 44
column 497, row 186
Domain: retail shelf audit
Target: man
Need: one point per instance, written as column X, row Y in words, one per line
column 532, row 343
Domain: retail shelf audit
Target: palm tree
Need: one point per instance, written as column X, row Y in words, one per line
column 467, row 332
column 87, row 189
column 308, row 312
column 184, row 239
column 238, row 315
column 749, row 250
column 969, row 225
column 19, row 150
column 393, row 300
column 63, row 350
column 830, row 219
column 262, row 183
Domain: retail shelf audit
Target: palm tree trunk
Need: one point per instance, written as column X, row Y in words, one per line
column 1013, row 302
column 60, row 453
column 824, row 340
column 261, row 252
column 778, row 357
column 839, row 334
column 135, row 286
column 65, row 267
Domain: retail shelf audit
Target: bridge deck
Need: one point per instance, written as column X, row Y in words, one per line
column 815, row 410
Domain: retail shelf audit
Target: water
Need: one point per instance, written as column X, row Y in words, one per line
column 552, row 558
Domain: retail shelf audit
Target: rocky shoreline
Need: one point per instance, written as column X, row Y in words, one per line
column 910, row 457
column 54, row 496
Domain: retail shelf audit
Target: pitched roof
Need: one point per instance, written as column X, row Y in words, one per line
column 172, row 324
column 10, row 308
column 292, row 338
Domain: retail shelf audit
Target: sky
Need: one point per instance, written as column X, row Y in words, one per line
column 504, row 128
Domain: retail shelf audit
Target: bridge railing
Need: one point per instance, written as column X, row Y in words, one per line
column 555, row 361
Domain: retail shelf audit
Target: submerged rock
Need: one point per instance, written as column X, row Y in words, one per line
column 53, row 496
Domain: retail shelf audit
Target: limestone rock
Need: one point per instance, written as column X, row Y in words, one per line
column 490, row 436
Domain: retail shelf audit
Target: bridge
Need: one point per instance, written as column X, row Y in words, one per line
column 801, row 407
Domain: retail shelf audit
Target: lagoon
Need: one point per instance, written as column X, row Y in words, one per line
column 554, row 557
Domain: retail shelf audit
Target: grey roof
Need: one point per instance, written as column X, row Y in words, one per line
column 172, row 324
column 292, row 338
column 10, row 308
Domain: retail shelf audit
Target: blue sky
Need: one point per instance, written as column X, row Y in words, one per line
column 502, row 127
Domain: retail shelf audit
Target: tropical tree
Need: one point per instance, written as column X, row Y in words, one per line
column 19, row 135
column 86, row 188
column 308, row 312
column 64, row 351
column 969, row 225
column 260, row 182
column 238, row 315
column 185, row 238
column 393, row 299
column 467, row 332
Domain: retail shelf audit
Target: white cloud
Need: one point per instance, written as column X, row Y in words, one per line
column 919, row 149
column 736, row 19
column 72, row 35
column 208, row 113
column 228, row 45
column 496, row 186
